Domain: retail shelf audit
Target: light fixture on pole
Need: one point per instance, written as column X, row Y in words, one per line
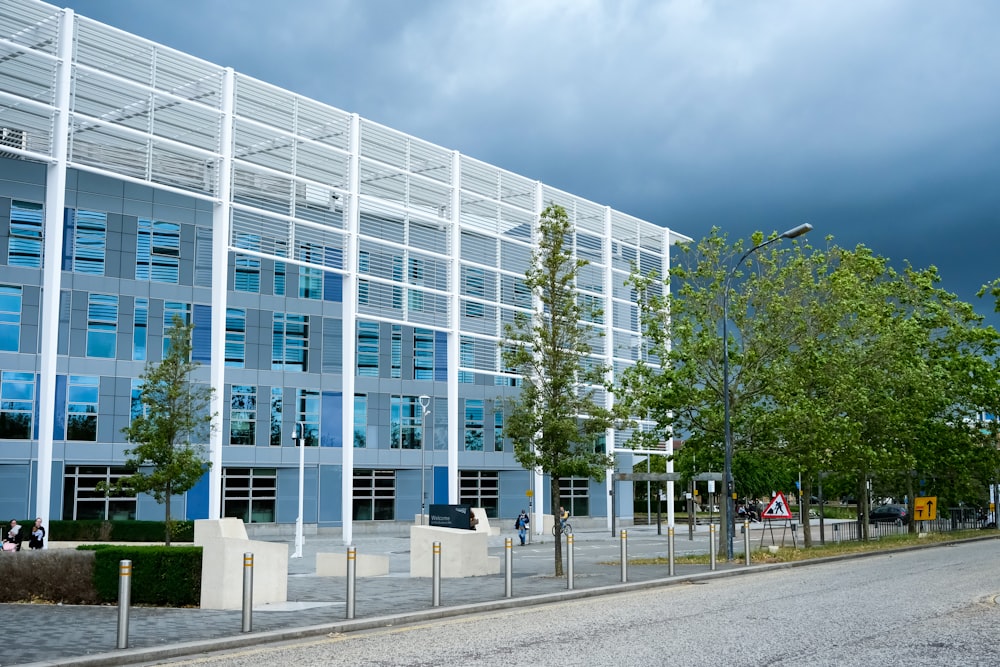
column 425, row 402
column 727, row 472
column 299, row 438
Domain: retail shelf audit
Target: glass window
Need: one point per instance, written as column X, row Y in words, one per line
column 236, row 337
column 140, row 328
column 17, row 404
column 397, row 351
column 360, row 420
column 311, row 278
column 498, row 436
column 158, row 251
column 473, row 425
column 466, row 358
column 246, row 268
column 10, row 318
column 574, row 495
column 276, row 397
column 473, row 281
column 308, row 415
column 243, row 415
column 279, row 278
column 83, row 393
column 374, row 495
column 480, row 488
column 290, row 344
column 405, row 422
column 102, row 326
column 364, row 292
column 172, row 309
column 82, row 500
column 24, row 245
column 136, row 407
column 423, row 354
column 249, row 494
column 90, row 242
column 368, row 349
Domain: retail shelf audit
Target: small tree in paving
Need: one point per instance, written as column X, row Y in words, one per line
column 555, row 422
column 173, row 418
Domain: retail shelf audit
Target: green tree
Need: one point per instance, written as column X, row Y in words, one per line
column 165, row 457
column 555, row 422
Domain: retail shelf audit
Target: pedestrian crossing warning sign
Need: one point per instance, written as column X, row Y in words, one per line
column 777, row 508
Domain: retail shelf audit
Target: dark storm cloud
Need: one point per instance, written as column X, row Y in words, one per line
column 874, row 120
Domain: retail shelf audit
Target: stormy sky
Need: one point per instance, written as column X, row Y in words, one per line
column 878, row 121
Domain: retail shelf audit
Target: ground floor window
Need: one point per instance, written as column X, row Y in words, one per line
column 480, row 488
column 374, row 495
column 249, row 494
column 574, row 495
column 83, row 500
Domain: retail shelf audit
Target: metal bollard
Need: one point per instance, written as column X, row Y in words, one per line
column 124, row 600
column 746, row 542
column 624, row 555
column 836, row 533
column 352, row 573
column 569, row 561
column 247, row 592
column 436, row 576
column 670, row 550
column 712, row 546
column 508, row 579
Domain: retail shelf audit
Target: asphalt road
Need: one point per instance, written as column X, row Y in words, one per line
column 927, row 607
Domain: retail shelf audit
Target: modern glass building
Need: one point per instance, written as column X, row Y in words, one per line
column 335, row 270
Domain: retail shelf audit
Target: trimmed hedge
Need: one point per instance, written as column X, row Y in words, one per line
column 114, row 531
column 161, row 576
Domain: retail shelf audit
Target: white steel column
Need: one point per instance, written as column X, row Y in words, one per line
column 540, row 492
column 609, row 359
column 455, row 427
column 669, row 449
column 349, row 333
column 55, row 202
column 221, row 214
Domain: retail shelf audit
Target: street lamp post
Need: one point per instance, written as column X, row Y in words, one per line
column 727, row 472
column 425, row 402
column 299, row 438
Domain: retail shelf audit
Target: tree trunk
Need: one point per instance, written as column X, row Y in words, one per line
column 806, row 492
column 166, row 523
column 554, row 499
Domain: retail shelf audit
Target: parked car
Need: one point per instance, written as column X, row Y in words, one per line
column 896, row 514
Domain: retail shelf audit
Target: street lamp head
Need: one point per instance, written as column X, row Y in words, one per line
column 797, row 231
column 425, row 400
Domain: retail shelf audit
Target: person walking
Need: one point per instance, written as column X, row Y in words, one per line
column 521, row 523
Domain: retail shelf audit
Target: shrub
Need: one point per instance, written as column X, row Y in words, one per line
column 163, row 576
column 51, row 575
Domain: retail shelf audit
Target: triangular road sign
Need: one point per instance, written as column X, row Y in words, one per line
column 777, row 508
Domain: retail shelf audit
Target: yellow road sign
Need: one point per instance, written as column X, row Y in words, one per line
column 529, row 493
column 925, row 508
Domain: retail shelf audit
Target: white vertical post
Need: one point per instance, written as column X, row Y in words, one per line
column 55, row 202
column 299, row 438
column 348, row 350
column 425, row 402
column 221, row 212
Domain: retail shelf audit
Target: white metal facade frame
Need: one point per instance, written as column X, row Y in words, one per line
column 421, row 235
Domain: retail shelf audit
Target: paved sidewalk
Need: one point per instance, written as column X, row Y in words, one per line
column 87, row 635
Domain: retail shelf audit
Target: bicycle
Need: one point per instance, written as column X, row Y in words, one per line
column 566, row 529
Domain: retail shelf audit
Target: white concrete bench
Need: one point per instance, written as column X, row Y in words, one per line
column 223, row 543
column 464, row 553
